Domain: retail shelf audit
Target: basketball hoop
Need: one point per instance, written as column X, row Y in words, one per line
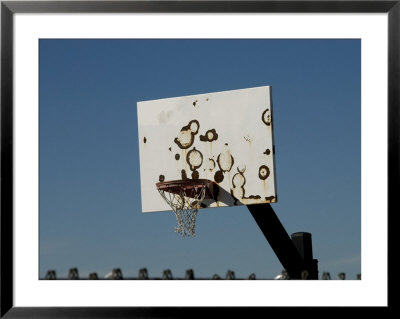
column 185, row 198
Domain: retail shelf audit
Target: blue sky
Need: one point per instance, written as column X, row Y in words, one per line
column 90, row 205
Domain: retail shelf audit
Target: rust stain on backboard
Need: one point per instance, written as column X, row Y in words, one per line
column 267, row 151
column 195, row 159
column 209, row 136
column 211, row 164
column 218, row 177
column 183, row 174
column 266, row 117
column 186, row 136
column 270, row 199
column 248, row 138
column 238, row 182
column 263, row 172
column 225, row 162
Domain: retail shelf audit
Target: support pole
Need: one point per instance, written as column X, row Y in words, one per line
column 303, row 243
column 284, row 247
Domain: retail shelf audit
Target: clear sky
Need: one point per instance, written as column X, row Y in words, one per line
column 90, row 197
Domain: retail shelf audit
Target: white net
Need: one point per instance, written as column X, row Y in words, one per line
column 185, row 206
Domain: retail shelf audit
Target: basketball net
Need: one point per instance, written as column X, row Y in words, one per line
column 185, row 205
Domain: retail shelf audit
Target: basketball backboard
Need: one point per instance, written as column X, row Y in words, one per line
column 225, row 137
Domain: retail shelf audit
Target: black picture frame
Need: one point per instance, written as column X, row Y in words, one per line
column 9, row 8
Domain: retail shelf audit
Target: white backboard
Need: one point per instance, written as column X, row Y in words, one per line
column 226, row 137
